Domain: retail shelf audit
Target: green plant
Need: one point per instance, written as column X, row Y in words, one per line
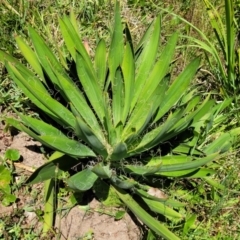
column 120, row 116
column 10, row 192
column 6, row 177
column 227, row 58
column 224, row 49
column 11, row 227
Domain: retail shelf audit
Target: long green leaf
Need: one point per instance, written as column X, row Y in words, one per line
column 142, row 170
column 117, row 46
column 41, row 127
column 161, row 208
column 223, row 142
column 189, row 165
column 101, row 63
column 217, row 25
column 166, row 201
column 117, row 98
column 188, row 149
column 79, row 105
column 196, row 118
column 68, row 146
column 28, row 92
column 54, row 108
column 73, row 40
column 214, row 183
column 4, row 57
column 58, row 142
column 29, row 77
column 158, row 72
column 128, row 70
column 178, row 87
column 146, row 59
column 167, row 160
column 90, row 138
column 159, row 134
column 45, row 55
column 142, row 116
column 49, row 206
column 52, row 169
column 20, row 126
column 91, row 87
column 30, row 56
column 197, row 173
column 146, row 218
column 230, row 34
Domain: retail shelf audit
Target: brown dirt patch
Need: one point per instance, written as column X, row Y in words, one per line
column 79, row 223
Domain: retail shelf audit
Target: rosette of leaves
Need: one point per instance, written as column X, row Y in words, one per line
column 120, row 108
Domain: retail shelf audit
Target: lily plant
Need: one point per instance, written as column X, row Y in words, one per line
column 115, row 113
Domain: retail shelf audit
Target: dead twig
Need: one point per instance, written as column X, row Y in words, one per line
column 22, row 166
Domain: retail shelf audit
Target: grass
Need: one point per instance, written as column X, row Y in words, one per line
column 217, row 210
column 218, row 218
